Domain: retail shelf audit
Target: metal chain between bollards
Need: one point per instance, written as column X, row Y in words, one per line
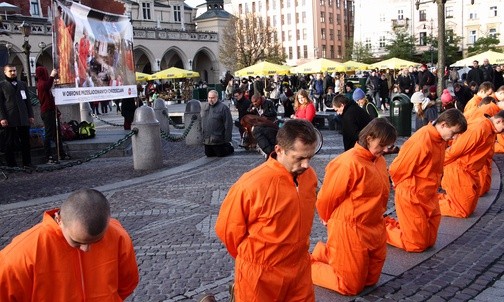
column 73, row 163
column 175, row 125
column 180, row 138
column 106, row 122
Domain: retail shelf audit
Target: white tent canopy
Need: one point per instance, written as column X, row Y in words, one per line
column 492, row 56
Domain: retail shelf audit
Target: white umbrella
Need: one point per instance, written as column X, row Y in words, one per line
column 7, row 8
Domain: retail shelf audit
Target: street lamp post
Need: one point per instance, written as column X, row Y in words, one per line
column 26, row 30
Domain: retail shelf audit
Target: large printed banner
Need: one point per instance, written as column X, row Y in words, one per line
column 93, row 54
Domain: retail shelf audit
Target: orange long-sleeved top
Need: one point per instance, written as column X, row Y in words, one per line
column 420, row 163
column 471, row 149
column 356, row 190
column 266, row 218
column 490, row 109
column 499, row 144
column 472, row 105
column 40, row 265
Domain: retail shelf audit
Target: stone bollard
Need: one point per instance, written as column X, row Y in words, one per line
column 195, row 135
column 85, row 112
column 147, row 142
column 161, row 113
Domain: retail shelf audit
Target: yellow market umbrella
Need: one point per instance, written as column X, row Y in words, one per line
column 393, row 63
column 140, row 76
column 173, row 73
column 353, row 65
column 492, row 56
column 319, row 65
column 263, row 69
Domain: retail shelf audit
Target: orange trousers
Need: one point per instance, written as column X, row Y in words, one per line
column 259, row 283
column 346, row 265
column 418, row 221
column 485, row 178
column 462, row 192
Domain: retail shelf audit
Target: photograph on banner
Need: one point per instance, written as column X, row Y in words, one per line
column 94, row 54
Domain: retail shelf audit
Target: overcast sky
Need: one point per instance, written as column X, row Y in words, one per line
column 194, row 3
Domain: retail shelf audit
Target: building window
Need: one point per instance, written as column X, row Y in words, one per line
column 322, row 2
column 298, row 54
column 274, row 21
column 473, row 16
column 298, row 34
column 331, row 34
column 422, row 15
column 493, row 11
column 283, row 35
column 382, row 17
column 331, row 18
column 146, row 11
column 449, row 12
column 339, row 35
column 449, row 35
column 472, row 37
column 338, row 3
column 423, row 39
column 176, row 13
column 324, row 51
column 323, row 33
column 303, row 17
column 339, row 51
column 297, row 18
column 322, row 17
column 290, row 53
column 367, row 43
column 305, row 51
column 400, row 14
column 259, row 5
column 331, row 50
column 282, row 19
column 329, row 2
column 338, row 19
column 288, row 19
column 492, row 33
column 305, row 34
column 382, row 41
column 289, row 35
column 34, row 8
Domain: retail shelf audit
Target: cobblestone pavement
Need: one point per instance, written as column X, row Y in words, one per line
column 170, row 214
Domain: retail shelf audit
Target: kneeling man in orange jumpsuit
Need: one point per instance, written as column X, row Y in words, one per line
column 266, row 219
column 416, row 173
column 77, row 253
column 352, row 200
column 466, row 156
column 485, row 89
column 489, row 107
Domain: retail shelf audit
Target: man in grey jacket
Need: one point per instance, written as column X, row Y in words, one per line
column 217, row 124
column 16, row 116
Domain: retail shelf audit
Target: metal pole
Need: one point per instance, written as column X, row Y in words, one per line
column 441, row 46
column 27, row 47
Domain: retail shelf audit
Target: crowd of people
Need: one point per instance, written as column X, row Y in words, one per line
column 266, row 227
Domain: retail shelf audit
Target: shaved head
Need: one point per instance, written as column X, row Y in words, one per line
column 87, row 207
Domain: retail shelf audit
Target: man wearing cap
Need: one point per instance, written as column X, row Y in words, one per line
column 360, row 98
column 425, row 78
column 353, row 118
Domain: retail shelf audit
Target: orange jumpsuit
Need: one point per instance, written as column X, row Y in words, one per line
column 40, row 265
column 499, row 144
column 485, row 174
column 265, row 223
column 352, row 200
column 467, row 155
column 472, row 105
column 416, row 173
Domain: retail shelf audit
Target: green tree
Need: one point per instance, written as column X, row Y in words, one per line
column 483, row 44
column 402, row 46
column 249, row 40
column 452, row 51
column 362, row 53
